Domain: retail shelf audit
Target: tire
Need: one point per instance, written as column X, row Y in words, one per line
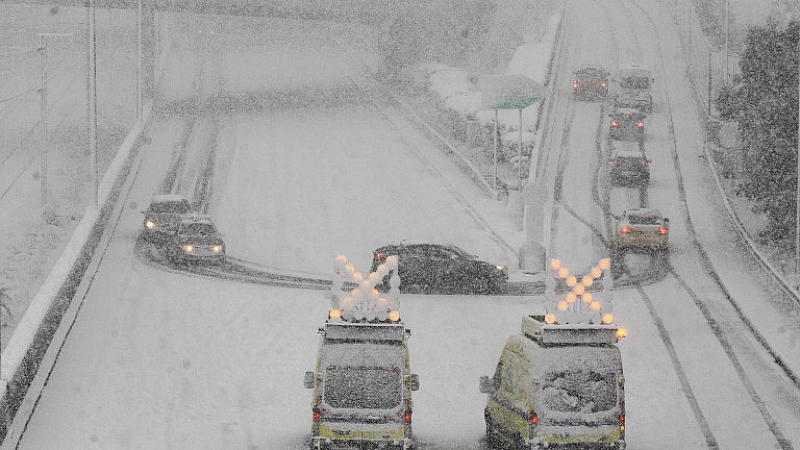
column 414, row 289
column 479, row 286
column 492, row 441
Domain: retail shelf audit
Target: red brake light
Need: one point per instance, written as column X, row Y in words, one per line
column 316, row 415
column 407, row 416
column 615, row 162
column 644, row 162
column 662, row 230
column 534, row 419
column 622, row 423
column 613, row 123
column 575, row 85
column 626, row 229
column 640, row 124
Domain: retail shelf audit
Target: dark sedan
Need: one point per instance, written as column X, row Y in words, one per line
column 435, row 268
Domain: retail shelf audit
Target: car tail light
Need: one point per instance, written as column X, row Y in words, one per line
column 640, row 124
column 316, row 415
column 662, row 230
column 622, row 423
column 603, row 84
column 407, row 416
column 613, row 123
column 574, row 85
column 644, row 162
column 534, row 419
column 626, row 229
column 615, row 162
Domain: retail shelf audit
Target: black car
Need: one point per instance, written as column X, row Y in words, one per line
column 629, row 167
column 590, row 82
column 195, row 240
column 627, row 124
column 441, row 268
column 163, row 215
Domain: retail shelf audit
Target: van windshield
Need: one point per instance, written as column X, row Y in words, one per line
column 363, row 387
column 579, row 391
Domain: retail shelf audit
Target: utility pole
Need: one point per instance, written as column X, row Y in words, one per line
column 91, row 90
column 43, row 113
column 43, row 116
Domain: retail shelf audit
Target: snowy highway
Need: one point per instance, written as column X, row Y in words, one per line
column 291, row 147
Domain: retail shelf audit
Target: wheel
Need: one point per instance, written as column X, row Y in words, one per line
column 492, row 440
column 479, row 286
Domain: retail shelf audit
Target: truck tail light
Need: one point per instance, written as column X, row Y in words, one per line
column 316, row 415
column 640, row 124
column 534, row 419
column 574, row 85
column 407, row 416
column 662, row 230
column 622, row 422
column 614, row 123
column 626, row 229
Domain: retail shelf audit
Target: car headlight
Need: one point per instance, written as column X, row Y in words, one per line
column 218, row 248
column 188, row 248
column 149, row 224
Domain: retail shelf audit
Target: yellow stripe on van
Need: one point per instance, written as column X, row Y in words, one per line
column 578, row 434
column 371, row 431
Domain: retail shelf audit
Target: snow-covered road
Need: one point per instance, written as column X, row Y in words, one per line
column 163, row 360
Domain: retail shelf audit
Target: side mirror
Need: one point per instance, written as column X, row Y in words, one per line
column 666, row 219
column 308, row 380
column 487, row 385
column 414, row 380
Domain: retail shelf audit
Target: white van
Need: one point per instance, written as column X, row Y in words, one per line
column 362, row 387
column 557, row 385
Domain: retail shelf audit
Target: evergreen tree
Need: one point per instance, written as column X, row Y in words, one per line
column 764, row 102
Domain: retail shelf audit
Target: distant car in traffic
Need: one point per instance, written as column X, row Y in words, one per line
column 590, row 82
column 635, row 84
column 643, row 228
column 163, row 215
column 195, row 240
column 429, row 268
column 629, row 165
column 627, row 124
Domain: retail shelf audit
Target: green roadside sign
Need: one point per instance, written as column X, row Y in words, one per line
column 509, row 91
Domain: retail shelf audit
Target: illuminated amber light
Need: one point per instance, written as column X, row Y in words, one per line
column 587, row 297
column 595, row 306
column 563, row 306
column 572, row 281
column 555, row 264
column 622, row 333
column 605, row 264
column 608, row 318
column 571, row 297
column 336, row 313
column 579, row 289
column 596, row 272
column 550, row 319
column 563, row 272
column 587, row 280
column 394, row 316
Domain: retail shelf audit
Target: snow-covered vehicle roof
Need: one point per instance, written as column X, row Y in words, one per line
column 168, row 198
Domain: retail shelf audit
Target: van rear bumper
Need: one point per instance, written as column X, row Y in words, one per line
column 599, row 437
column 321, row 443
